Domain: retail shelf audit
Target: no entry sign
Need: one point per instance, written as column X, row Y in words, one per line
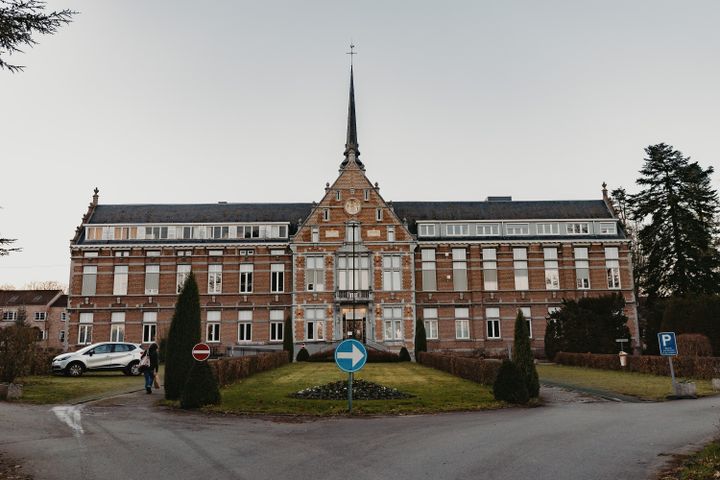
column 201, row 352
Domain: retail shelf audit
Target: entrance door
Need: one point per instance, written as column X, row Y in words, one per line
column 354, row 326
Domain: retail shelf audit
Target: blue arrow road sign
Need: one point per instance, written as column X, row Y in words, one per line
column 350, row 356
column 667, row 343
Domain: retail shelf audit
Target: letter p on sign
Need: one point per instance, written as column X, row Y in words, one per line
column 667, row 343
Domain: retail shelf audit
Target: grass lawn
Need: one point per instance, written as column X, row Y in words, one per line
column 647, row 387
column 435, row 391
column 700, row 466
column 47, row 389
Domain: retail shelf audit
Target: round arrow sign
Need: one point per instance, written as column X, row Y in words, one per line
column 350, row 356
column 201, row 352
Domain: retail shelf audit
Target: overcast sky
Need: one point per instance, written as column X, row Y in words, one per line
column 246, row 101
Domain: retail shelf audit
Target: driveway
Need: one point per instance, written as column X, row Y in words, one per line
column 572, row 437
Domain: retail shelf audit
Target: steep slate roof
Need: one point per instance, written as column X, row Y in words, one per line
column 18, row 298
column 62, row 302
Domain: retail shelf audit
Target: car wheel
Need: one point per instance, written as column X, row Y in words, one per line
column 132, row 369
column 75, row 369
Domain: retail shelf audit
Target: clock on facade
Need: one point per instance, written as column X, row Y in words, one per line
column 352, row 206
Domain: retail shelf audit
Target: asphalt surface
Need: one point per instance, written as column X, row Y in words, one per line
column 573, row 437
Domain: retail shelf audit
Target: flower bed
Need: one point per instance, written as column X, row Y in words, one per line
column 362, row 390
column 704, row 368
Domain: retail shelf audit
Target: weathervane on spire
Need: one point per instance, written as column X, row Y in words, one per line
column 351, row 53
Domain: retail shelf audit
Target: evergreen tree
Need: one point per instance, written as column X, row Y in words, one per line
column 184, row 333
column 288, row 339
column 679, row 242
column 200, row 387
column 587, row 325
column 522, row 356
column 420, row 337
column 509, row 384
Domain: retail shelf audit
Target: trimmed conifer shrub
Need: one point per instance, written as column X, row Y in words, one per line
column 510, row 385
column 420, row 337
column 288, row 339
column 404, row 355
column 184, row 333
column 303, row 355
column 200, row 387
column 522, row 356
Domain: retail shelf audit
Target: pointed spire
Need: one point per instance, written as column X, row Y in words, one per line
column 351, row 143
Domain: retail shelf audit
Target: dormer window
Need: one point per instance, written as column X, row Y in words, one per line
column 577, row 228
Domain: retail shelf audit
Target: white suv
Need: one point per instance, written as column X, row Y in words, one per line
column 103, row 356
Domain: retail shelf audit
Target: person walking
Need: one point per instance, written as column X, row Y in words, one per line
column 152, row 365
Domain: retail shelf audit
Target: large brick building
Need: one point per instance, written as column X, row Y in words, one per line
column 45, row 310
column 351, row 264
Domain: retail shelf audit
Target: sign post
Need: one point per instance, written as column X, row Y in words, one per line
column 668, row 348
column 350, row 356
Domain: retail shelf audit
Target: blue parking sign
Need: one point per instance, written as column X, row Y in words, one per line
column 667, row 343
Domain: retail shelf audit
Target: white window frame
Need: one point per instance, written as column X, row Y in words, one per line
column 582, row 266
column 392, row 272
column 276, row 331
column 527, row 313
column 577, row 228
column 326, row 214
column 390, row 234
column 120, row 280
column 548, row 228
column 314, row 324
column 459, row 266
column 315, row 235
column 315, row 273
column 10, row 315
column 493, row 329
column 40, row 316
column 89, row 281
column 277, row 277
column 517, row 229
column 181, row 275
column 462, row 323
column 378, row 215
column 430, row 319
column 426, row 229
column 117, row 327
column 212, row 327
column 85, row 328
column 247, row 272
column 520, row 269
column 457, row 230
column 490, row 271
column 149, row 327
column 612, row 267
column 152, row 279
column 344, row 277
column 392, row 323
column 429, row 274
column 552, row 270
column 214, row 278
column 608, row 228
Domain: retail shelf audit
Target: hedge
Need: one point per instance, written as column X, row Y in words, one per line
column 474, row 369
column 373, row 356
column 229, row 370
column 703, row 368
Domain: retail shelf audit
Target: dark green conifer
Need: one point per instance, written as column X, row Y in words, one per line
column 288, row 339
column 200, row 388
column 509, row 384
column 420, row 337
column 523, row 356
column 184, row 333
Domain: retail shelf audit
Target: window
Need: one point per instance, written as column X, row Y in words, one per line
column 277, row 251
column 149, row 327
column 488, row 229
column 89, row 281
column 152, row 279
column 314, row 323
column 378, row 214
column 392, row 273
column 326, row 214
column 577, row 228
column 152, row 253
column 608, row 229
column 459, row 269
column 315, row 274
column 490, row 268
column 612, row 267
column 277, row 277
column 338, row 196
column 360, row 265
column 552, row 273
column 40, row 316
column 244, row 325
column 120, row 280
column 213, row 326
column 528, row 318
column 183, row 272
column 428, row 269
column 10, row 315
column 426, row 230
column 390, row 234
column 582, row 268
column 156, row 233
column 520, row 266
column 246, row 277
column 392, row 319
column 492, row 318
column 462, row 324
column 122, row 253
column 92, row 254
column 246, row 252
column 315, row 235
column 248, row 231
column 85, row 329
column 220, row 232
column 61, row 336
column 276, row 326
column 215, row 253
column 184, row 253
column 63, row 316
column 457, row 230
column 517, row 229
column 215, row 278
column 117, row 327
column 366, row 195
column 431, row 323
column 548, row 229
column 352, row 232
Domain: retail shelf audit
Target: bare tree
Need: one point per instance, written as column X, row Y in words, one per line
column 20, row 20
column 7, row 286
column 46, row 285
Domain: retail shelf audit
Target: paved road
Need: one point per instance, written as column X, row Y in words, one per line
column 127, row 438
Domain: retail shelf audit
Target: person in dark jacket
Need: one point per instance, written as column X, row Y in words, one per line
column 149, row 372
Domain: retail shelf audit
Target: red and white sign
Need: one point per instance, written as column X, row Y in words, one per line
column 201, row 352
